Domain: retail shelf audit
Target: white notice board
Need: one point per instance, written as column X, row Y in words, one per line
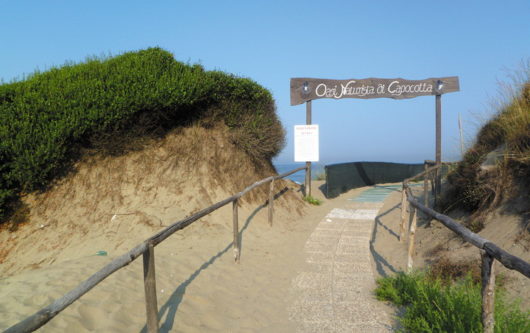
column 306, row 143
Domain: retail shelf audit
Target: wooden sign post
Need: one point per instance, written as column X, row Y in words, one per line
column 308, row 163
column 308, row 89
column 438, row 145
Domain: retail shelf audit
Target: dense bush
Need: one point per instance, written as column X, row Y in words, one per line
column 434, row 306
column 105, row 103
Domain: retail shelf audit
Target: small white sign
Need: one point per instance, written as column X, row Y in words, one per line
column 306, row 143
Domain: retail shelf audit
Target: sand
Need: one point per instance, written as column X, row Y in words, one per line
column 201, row 289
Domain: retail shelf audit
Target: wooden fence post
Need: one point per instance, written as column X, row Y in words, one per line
column 404, row 204
column 488, row 292
column 271, row 202
column 411, row 238
column 151, row 306
column 426, row 186
column 236, row 231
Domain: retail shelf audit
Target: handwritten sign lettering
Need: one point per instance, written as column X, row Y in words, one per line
column 305, row 89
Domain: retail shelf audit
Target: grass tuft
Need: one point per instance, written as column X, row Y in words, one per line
column 474, row 188
column 434, row 306
column 312, row 200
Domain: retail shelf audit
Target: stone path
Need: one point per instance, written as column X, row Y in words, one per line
column 336, row 291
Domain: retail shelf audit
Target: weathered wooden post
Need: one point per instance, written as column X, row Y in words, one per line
column 271, row 202
column 426, row 185
column 411, row 238
column 488, row 292
column 404, row 204
column 151, row 306
column 438, row 139
column 236, row 231
column 308, row 164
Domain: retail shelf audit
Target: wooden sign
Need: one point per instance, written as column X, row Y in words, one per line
column 306, row 89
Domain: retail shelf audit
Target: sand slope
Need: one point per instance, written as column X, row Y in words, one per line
column 199, row 287
column 113, row 203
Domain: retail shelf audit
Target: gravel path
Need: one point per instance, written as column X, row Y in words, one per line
column 335, row 293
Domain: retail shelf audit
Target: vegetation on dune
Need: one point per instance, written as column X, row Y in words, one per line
column 106, row 104
column 503, row 141
column 312, row 200
column 496, row 169
column 435, row 305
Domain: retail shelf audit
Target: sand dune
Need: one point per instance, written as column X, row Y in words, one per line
column 199, row 287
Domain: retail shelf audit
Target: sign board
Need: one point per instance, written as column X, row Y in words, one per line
column 306, row 143
column 306, row 89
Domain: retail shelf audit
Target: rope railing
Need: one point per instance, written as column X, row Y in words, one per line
column 146, row 249
column 489, row 251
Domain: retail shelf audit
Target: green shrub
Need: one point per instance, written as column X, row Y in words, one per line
column 105, row 103
column 433, row 306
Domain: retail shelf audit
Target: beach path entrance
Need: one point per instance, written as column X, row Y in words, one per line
column 335, row 291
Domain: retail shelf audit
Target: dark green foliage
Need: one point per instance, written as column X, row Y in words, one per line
column 433, row 306
column 106, row 103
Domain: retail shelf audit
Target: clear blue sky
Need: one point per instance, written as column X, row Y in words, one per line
column 272, row 41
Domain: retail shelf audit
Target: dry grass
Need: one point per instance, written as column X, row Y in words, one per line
column 448, row 270
column 478, row 190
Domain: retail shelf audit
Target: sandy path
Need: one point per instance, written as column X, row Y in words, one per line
column 336, row 290
column 200, row 289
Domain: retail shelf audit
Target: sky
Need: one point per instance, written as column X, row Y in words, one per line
column 481, row 42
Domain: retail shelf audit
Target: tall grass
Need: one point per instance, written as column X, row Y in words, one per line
column 434, row 306
column 508, row 132
column 106, row 103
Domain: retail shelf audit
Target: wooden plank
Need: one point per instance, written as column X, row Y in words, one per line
column 488, row 292
column 271, row 202
column 508, row 260
column 151, row 306
column 236, row 231
column 412, row 236
column 307, row 89
column 283, row 175
column 465, row 233
column 404, row 204
column 163, row 234
column 428, row 171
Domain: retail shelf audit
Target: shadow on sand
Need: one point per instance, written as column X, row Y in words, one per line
column 381, row 262
column 170, row 307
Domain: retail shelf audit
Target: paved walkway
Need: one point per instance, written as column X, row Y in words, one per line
column 336, row 291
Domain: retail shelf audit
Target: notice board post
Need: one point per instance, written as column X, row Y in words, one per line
column 308, row 163
column 306, row 149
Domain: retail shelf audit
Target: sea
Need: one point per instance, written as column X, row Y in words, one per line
column 299, row 177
